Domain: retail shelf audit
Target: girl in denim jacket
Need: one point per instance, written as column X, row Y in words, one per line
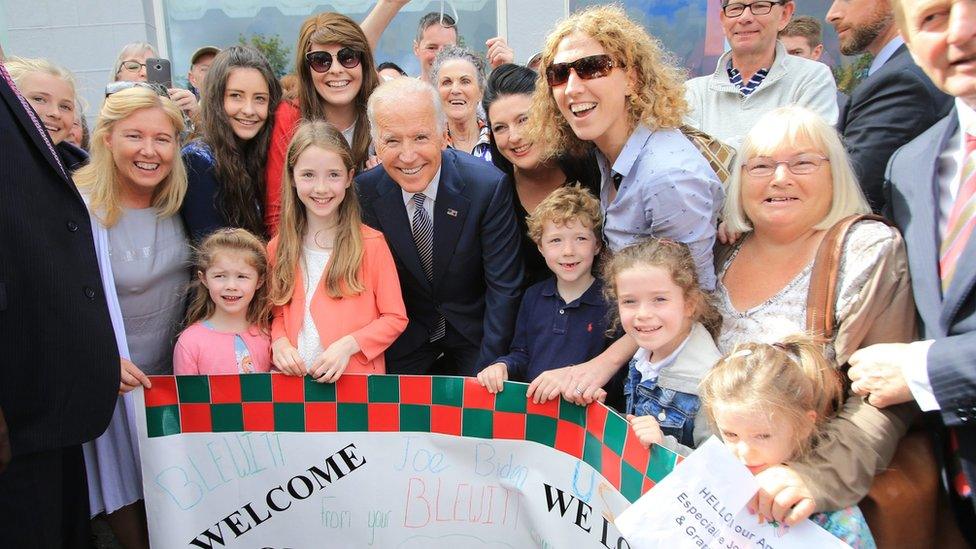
column 661, row 305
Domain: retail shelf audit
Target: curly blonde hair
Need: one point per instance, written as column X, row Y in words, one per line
column 657, row 99
column 565, row 204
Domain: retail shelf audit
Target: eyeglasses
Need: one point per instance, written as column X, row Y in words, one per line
column 321, row 61
column 132, row 65
column 757, row 8
column 587, row 68
column 801, row 164
column 116, row 87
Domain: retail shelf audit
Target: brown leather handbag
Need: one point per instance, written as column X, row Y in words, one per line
column 902, row 506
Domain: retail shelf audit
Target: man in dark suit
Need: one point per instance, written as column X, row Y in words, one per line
column 932, row 186
column 59, row 370
column 896, row 101
column 449, row 220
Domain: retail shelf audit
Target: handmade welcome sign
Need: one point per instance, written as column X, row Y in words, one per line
column 267, row 460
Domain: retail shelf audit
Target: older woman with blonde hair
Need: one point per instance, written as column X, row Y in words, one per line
column 606, row 84
column 50, row 90
column 134, row 186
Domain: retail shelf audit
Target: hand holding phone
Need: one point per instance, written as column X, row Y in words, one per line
column 158, row 71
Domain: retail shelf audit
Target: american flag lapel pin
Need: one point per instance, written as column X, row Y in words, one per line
column 452, row 212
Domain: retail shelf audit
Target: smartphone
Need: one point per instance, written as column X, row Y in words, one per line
column 158, row 71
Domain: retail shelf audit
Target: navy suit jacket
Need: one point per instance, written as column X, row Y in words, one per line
column 59, row 368
column 950, row 319
column 888, row 109
column 477, row 263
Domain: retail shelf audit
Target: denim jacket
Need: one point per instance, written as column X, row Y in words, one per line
column 672, row 397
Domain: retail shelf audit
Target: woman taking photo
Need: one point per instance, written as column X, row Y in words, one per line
column 225, row 165
column 507, row 99
column 133, row 187
column 130, row 66
column 458, row 75
column 336, row 75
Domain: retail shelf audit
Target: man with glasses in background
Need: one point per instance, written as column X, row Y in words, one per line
column 757, row 75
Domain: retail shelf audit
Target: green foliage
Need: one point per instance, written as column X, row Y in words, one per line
column 274, row 50
column 850, row 75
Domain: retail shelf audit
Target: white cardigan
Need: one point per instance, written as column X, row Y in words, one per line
column 717, row 108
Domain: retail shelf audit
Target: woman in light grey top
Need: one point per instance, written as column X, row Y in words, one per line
column 134, row 186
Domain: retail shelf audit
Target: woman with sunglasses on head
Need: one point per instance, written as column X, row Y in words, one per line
column 458, row 75
column 225, row 165
column 336, row 75
column 508, row 96
column 607, row 85
column 130, row 66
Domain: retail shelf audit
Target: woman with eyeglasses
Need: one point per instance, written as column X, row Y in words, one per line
column 225, row 165
column 133, row 186
column 458, row 75
column 130, row 66
column 607, row 86
column 793, row 184
column 50, row 90
column 336, row 75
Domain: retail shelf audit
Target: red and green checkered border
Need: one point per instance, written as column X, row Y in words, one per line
column 387, row 403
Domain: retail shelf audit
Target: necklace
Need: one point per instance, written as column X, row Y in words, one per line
column 326, row 244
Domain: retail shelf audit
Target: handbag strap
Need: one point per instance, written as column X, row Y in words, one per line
column 822, row 295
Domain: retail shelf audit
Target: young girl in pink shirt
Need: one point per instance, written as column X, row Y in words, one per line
column 228, row 319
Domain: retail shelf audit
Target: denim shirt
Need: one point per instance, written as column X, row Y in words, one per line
column 672, row 397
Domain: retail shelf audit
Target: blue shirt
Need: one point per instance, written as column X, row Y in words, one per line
column 668, row 190
column 550, row 333
column 885, row 54
column 735, row 77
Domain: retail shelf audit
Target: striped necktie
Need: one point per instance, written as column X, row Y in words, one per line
column 962, row 217
column 423, row 238
column 30, row 114
column 959, row 226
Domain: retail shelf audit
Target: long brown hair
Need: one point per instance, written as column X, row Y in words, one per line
column 675, row 258
column 335, row 28
column 785, row 379
column 233, row 241
column 239, row 165
column 341, row 277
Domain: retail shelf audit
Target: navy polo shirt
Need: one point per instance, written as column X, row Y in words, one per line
column 550, row 333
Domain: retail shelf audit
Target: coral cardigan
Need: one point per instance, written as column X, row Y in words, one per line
column 287, row 117
column 375, row 318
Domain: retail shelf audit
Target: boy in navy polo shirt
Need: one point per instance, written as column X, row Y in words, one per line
column 562, row 320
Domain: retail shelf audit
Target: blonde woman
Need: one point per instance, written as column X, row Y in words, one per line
column 134, row 185
column 50, row 90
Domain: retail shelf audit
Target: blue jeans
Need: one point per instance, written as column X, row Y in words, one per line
column 675, row 411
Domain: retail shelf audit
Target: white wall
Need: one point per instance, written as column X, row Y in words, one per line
column 82, row 35
column 85, row 35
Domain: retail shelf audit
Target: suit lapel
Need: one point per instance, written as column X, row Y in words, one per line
column 392, row 216
column 450, row 210
column 25, row 121
column 923, row 231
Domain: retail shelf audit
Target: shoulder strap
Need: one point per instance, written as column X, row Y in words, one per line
column 822, row 294
column 719, row 155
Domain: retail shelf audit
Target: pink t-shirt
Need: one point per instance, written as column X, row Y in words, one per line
column 204, row 350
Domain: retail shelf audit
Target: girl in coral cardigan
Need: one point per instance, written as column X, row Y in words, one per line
column 333, row 281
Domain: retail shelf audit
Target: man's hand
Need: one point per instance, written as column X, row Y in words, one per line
column 185, row 100
column 131, row 377
column 782, row 496
column 876, row 373
column 499, row 52
column 6, row 454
